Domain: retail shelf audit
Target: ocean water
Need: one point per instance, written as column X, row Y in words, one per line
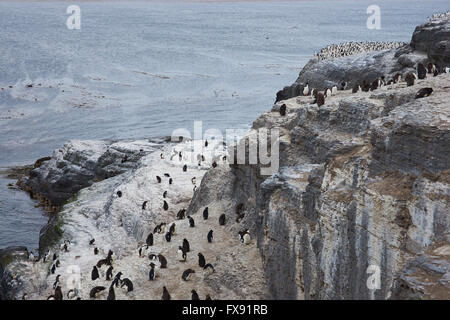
column 143, row 69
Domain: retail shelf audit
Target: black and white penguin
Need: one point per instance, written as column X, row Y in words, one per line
column 365, row 86
column 206, row 143
column 165, row 194
column 95, row 291
column 172, row 229
column 162, row 261
column 149, row 240
column 193, row 180
column 181, row 254
column 356, row 88
column 127, row 282
column 184, row 168
column 53, row 268
column 56, row 283
column 109, row 273
column 283, row 110
column 51, row 297
column 168, row 236
column 31, row 256
column 343, row 85
column 165, row 295
column 430, row 68
column 57, row 263
column 205, row 213
column 334, row 90
column 111, row 293
column 191, row 222
column 119, row 193
column 166, row 175
column 158, row 178
column 25, row 296
column 397, row 78
column 194, row 295
column 151, row 273
column 409, row 78
column 117, row 279
column 244, row 236
column 91, row 242
column 94, row 273
column 208, row 297
column 58, row 293
column 186, row 247
column 95, row 250
column 55, row 257
column 210, row 236
column 306, row 89
column 180, row 156
column 327, row 92
column 181, row 214
column 170, row 181
column 209, row 268
column 201, row 260
column 424, row 92
column 72, row 294
column 47, row 256
column 222, row 219
column 187, row 274
column 374, row 85
column 144, row 205
column 214, row 164
column 421, row 71
column 165, row 206
column 111, row 256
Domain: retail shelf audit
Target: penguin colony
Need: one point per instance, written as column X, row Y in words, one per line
column 410, row 78
column 351, row 48
column 105, row 268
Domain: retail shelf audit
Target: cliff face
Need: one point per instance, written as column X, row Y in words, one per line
column 363, row 186
column 430, row 42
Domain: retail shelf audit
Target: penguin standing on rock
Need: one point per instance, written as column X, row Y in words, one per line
column 144, row 205
column 117, row 279
column 186, row 247
column 168, row 236
column 52, row 270
column 191, row 222
column 109, row 273
column 195, row 295
column 91, row 242
column 151, row 273
column 421, row 71
column 95, row 250
column 184, row 168
column 119, row 194
column 165, row 295
column 165, row 206
column 149, row 239
column 409, row 78
column 201, row 260
column 205, row 213
column 94, row 273
column 162, row 261
column 111, row 293
column 181, row 254
column 170, row 181
column 58, row 293
column 320, row 99
column 222, row 219
column 158, row 178
column 56, row 283
column 210, row 236
column 172, row 229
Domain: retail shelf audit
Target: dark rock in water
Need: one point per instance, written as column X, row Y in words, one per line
column 78, row 164
column 10, row 287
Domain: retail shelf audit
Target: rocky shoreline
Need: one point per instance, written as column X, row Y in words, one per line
column 363, row 186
